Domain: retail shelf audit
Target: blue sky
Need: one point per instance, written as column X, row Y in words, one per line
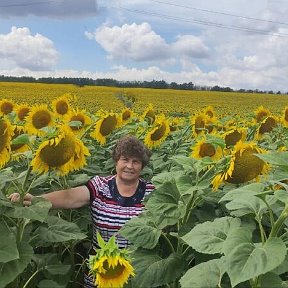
column 239, row 43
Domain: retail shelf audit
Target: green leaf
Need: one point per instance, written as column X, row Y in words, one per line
column 198, row 275
column 58, row 269
column 247, row 260
column 282, row 196
column 271, row 280
column 8, row 245
column 186, row 162
column 153, row 271
column 141, row 232
column 37, row 211
column 275, row 158
column 209, row 237
column 21, row 139
column 163, row 177
column 59, row 230
column 249, row 190
column 49, row 284
column 10, row 270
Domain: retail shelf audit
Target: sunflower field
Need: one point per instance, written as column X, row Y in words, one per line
column 218, row 216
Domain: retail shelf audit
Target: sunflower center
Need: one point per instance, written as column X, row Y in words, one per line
column 55, row 156
column 6, row 108
column 108, row 125
column 112, row 272
column 158, row 133
column 3, row 135
column 267, row 125
column 62, row 107
column 246, row 167
column 126, row 115
column 207, row 149
column 23, row 112
column 41, row 119
column 261, row 115
column 232, row 138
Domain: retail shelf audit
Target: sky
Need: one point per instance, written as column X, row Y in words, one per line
column 241, row 44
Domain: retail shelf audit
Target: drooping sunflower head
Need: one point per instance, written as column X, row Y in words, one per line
column 244, row 165
column 22, row 111
column 158, row 133
column 285, row 116
column 261, row 113
column 104, row 126
column 205, row 148
column 63, row 153
column 78, row 120
column 149, row 114
column 234, row 135
column 6, row 107
column 5, row 141
column 38, row 118
column 111, row 267
column 198, row 122
column 61, row 105
column 266, row 126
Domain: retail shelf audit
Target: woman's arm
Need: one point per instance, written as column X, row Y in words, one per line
column 62, row 199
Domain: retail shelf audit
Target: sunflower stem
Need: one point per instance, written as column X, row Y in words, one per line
column 31, row 277
column 262, row 232
column 168, row 242
column 278, row 224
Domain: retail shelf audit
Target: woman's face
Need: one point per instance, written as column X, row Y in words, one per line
column 128, row 168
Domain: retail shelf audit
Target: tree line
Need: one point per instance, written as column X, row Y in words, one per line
column 154, row 84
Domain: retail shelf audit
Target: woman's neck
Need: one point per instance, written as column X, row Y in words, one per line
column 126, row 188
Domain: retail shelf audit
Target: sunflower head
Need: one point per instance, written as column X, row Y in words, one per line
column 149, row 114
column 17, row 132
column 6, row 106
column 63, row 153
column 198, row 122
column 5, row 141
column 261, row 113
column 285, row 116
column 234, row 135
column 111, row 266
column 209, row 111
column 244, row 165
column 22, row 111
column 126, row 115
column 158, row 133
column 81, row 118
column 266, row 126
column 104, row 127
column 61, row 105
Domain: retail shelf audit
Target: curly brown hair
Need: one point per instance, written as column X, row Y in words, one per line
column 130, row 146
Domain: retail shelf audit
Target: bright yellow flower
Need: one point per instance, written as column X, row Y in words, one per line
column 79, row 116
column 209, row 111
column 158, row 133
column 285, row 117
column 63, row 153
column 6, row 106
column 149, row 114
column 234, row 135
column 198, row 122
column 5, row 141
column 261, row 113
column 266, row 126
column 244, row 165
column 61, row 105
column 22, row 111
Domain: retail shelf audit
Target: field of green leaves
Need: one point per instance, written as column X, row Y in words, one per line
column 218, row 216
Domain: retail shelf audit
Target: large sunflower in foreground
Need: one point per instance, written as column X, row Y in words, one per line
column 104, row 126
column 38, row 118
column 5, row 141
column 110, row 267
column 61, row 105
column 6, row 106
column 63, row 153
column 204, row 148
column 244, row 165
column 158, row 133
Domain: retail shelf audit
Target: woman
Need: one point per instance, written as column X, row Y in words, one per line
column 113, row 199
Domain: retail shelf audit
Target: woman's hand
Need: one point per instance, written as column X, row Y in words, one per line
column 15, row 197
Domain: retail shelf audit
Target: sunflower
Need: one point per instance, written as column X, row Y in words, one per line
column 22, row 111
column 63, row 153
column 149, row 114
column 158, row 133
column 244, row 165
column 5, row 141
column 266, row 126
column 111, row 266
column 6, row 106
column 61, row 105
column 261, row 113
column 126, row 115
column 211, row 125
column 285, row 117
column 198, row 122
column 80, row 116
column 104, row 126
column 38, row 118
column 18, row 148
column 204, row 148
column 175, row 123
column 209, row 111
column 231, row 137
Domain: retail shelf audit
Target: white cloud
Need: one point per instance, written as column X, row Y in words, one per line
column 20, row 48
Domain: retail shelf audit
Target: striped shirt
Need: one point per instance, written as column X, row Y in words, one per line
column 110, row 210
